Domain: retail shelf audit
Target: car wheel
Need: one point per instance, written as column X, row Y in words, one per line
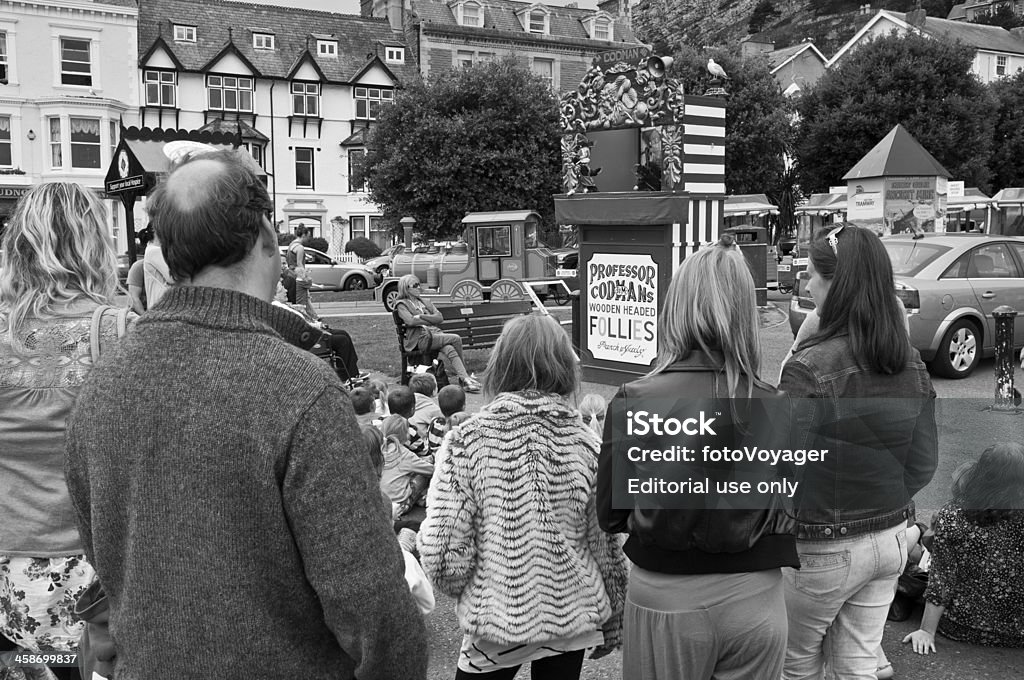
column 384, row 271
column 391, row 297
column 960, row 350
column 355, row 283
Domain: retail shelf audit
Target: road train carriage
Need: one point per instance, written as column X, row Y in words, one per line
column 500, row 258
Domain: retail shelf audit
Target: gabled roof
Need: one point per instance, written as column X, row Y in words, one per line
column 957, row 13
column 295, row 30
column 234, row 127
column 978, row 36
column 500, row 15
column 376, row 61
column 230, row 48
column 897, row 155
column 779, row 58
column 306, row 57
column 1009, row 196
column 158, row 44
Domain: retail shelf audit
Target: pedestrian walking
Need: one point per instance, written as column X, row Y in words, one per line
column 295, row 260
column 58, row 276
column 706, row 595
column 862, row 393
column 511, row 528
column 222, row 487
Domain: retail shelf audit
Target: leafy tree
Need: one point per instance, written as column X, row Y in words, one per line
column 1003, row 15
column 763, row 12
column 938, row 8
column 758, row 132
column 362, row 247
column 318, row 243
column 479, row 138
column 925, row 84
column 1007, row 162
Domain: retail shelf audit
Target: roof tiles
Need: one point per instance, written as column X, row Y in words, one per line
column 219, row 22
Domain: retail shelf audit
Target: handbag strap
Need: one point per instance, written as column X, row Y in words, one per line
column 95, row 327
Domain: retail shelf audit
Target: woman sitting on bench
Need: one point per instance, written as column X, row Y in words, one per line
column 422, row 334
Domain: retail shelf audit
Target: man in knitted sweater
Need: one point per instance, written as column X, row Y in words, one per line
column 223, row 491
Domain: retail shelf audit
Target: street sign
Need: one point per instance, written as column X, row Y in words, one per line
column 138, row 182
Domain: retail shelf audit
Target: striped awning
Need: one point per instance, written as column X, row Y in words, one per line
column 822, row 204
column 749, row 204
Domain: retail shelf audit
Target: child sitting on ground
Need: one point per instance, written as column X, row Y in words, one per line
column 592, row 410
column 419, row 586
column 406, row 476
column 450, row 401
column 424, row 387
column 975, row 593
column 402, row 402
column 362, row 404
column 379, row 389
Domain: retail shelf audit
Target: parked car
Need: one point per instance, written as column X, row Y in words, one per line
column 950, row 284
column 382, row 263
column 329, row 274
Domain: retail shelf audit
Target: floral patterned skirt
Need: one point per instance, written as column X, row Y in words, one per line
column 37, row 601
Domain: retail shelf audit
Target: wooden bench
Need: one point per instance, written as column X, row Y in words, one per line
column 479, row 326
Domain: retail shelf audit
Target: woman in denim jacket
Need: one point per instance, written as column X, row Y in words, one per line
column 862, row 392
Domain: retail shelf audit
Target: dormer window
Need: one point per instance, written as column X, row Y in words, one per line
column 599, row 26
column 263, row 41
column 327, row 48
column 394, row 55
column 184, row 33
column 468, row 13
column 535, row 19
column 538, row 22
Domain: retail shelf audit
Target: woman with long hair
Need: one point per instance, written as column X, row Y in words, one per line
column 861, row 392
column 58, row 272
column 705, row 595
column 421, row 318
column 976, row 579
column 511, row 529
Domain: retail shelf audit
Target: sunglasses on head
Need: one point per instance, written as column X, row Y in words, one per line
column 833, row 239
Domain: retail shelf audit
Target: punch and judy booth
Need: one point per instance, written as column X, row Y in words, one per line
column 643, row 168
column 898, row 187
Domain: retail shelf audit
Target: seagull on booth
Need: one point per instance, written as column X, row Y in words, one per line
column 716, row 70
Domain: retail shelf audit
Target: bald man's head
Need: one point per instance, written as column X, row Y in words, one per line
column 208, row 213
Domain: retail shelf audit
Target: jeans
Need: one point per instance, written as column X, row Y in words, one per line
column 449, row 347
column 838, row 601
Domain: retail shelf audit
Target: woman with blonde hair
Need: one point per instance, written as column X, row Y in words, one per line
column 421, row 318
column 511, row 528
column 705, row 596
column 58, row 274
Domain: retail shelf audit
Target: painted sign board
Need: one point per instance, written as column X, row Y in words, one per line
column 621, row 313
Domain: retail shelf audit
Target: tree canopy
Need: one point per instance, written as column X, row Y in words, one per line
column 485, row 137
column 1003, row 16
column 925, row 84
column 1007, row 162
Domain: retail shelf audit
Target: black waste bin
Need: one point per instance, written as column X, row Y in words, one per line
column 753, row 243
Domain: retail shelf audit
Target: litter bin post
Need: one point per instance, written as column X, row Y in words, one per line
column 753, row 243
column 1005, row 359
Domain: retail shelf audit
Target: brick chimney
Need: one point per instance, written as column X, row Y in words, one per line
column 366, row 8
column 617, row 8
column 916, row 18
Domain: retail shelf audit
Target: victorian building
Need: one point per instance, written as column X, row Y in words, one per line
column 301, row 87
column 67, row 78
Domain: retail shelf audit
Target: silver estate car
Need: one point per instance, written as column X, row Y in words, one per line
column 950, row 285
column 329, row 274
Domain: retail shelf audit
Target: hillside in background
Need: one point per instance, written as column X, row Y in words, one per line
column 828, row 23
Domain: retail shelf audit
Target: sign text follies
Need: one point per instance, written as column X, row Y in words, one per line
column 622, row 308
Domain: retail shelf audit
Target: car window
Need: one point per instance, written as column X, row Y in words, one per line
column 1019, row 249
column 992, row 261
column 316, row 258
column 957, row 270
column 910, row 257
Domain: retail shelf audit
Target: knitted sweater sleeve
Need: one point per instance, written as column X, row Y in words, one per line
column 446, row 541
column 352, row 560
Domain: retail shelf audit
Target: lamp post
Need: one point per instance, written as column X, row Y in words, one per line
column 407, row 224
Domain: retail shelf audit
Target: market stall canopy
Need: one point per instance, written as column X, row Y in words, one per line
column 822, row 204
column 500, row 217
column 1011, row 196
column 749, row 204
column 897, row 155
column 972, row 199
